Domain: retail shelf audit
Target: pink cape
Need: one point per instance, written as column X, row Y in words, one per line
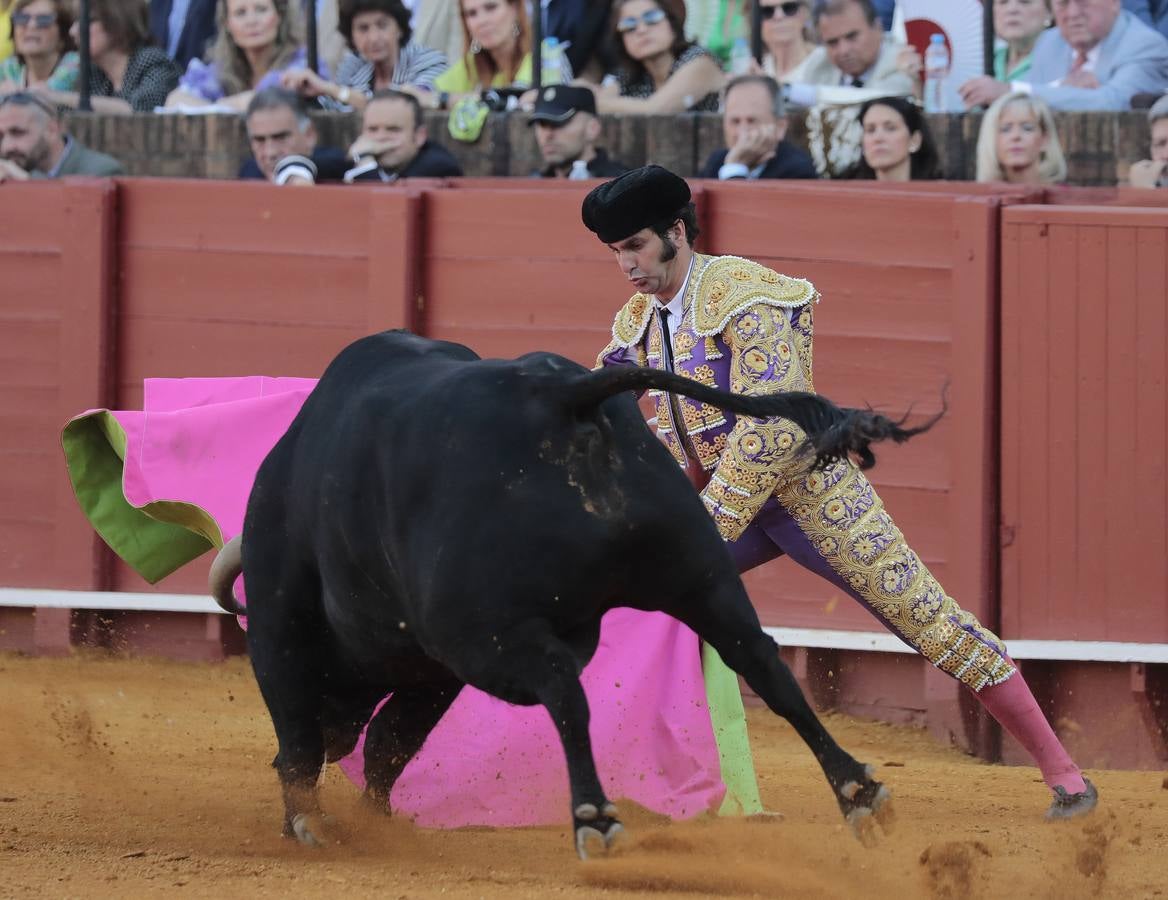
column 190, row 458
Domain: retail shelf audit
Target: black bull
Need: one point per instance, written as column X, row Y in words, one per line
column 431, row 519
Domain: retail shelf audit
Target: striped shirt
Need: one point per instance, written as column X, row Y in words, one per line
column 416, row 65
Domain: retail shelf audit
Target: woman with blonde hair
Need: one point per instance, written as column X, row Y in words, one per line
column 787, row 36
column 1018, row 143
column 255, row 43
column 497, row 36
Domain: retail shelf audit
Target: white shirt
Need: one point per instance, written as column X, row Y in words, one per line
column 676, row 307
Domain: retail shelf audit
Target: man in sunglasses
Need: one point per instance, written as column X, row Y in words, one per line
column 754, row 124
column 34, row 143
column 855, row 60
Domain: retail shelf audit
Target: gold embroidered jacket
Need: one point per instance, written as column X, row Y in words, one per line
column 744, row 328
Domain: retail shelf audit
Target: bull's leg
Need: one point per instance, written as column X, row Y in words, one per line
column 283, row 646
column 722, row 615
column 548, row 670
column 398, row 730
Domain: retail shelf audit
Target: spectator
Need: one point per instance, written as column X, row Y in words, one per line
column 383, row 55
column 44, row 56
column 393, row 143
column 279, row 128
column 660, row 72
column 254, row 46
column 1018, row 23
column 1098, row 57
column 126, row 74
column 34, row 143
column 754, row 125
column 1149, row 173
column 786, row 34
column 855, row 58
column 497, row 52
column 896, row 144
column 566, row 129
column 1018, row 143
column 183, row 28
column 5, row 29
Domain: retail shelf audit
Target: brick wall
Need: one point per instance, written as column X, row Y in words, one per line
column 1099, row 146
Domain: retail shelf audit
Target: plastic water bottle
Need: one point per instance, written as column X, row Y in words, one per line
column 579, row 171
column 552, row 61
column 740, row 57
column 936, row 71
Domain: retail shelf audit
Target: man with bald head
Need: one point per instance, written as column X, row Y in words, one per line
column 1097, row 58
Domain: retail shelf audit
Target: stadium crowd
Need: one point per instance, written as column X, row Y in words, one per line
column 847, row 62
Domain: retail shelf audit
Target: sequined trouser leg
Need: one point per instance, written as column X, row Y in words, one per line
column 834, row 524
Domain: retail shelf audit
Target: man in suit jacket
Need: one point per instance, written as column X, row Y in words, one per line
column 754, row 125
column 856, row 60
column 183, row 28
column 1097, row 58
column 34, row 143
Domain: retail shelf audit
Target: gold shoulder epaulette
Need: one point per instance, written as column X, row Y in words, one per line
column 630, row 322
column 730, row 284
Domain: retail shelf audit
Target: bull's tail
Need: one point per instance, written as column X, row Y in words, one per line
column 224, row 570
column 832, row 432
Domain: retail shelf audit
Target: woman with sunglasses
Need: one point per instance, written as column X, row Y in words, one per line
column 660, row 71
column 44, row 56
column 126, row 73
column 786, row 34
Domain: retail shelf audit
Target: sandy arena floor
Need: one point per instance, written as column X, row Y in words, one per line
column 131, row 778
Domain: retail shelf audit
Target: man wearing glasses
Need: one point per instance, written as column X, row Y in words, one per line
column 34, row 143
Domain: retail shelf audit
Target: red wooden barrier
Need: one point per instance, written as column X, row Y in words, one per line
column 221, row 278
column 54, row 354
column 909, row 303
column 1084, row 417
column 1084, row 428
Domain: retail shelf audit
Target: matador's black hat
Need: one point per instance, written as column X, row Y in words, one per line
column 642, row 198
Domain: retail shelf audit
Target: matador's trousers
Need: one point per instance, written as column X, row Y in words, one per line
column 833, row 523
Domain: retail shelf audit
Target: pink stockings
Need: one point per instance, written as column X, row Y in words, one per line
column 1016, row 710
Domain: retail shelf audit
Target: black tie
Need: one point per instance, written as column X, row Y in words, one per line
column 666, row 340
column 857, row 82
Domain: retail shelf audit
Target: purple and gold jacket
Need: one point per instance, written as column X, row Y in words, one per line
column 744, row 328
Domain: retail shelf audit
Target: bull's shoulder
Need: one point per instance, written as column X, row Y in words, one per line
column 729, row 285
column 630, row 322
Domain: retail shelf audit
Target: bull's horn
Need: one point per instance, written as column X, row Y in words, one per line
column 224, row 570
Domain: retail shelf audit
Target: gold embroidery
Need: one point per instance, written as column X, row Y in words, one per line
column 728, row 285
column 845, row 521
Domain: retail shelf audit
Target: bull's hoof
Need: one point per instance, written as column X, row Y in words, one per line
column 1067, row 806
column 308, row 829
column 596, row 829
column 867, row 806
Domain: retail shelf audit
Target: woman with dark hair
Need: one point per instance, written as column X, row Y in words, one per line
column 255, row 43
column 382, row 56
column 126, row 74
column 897, row 144
column 44, row 54
column 660, row 72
